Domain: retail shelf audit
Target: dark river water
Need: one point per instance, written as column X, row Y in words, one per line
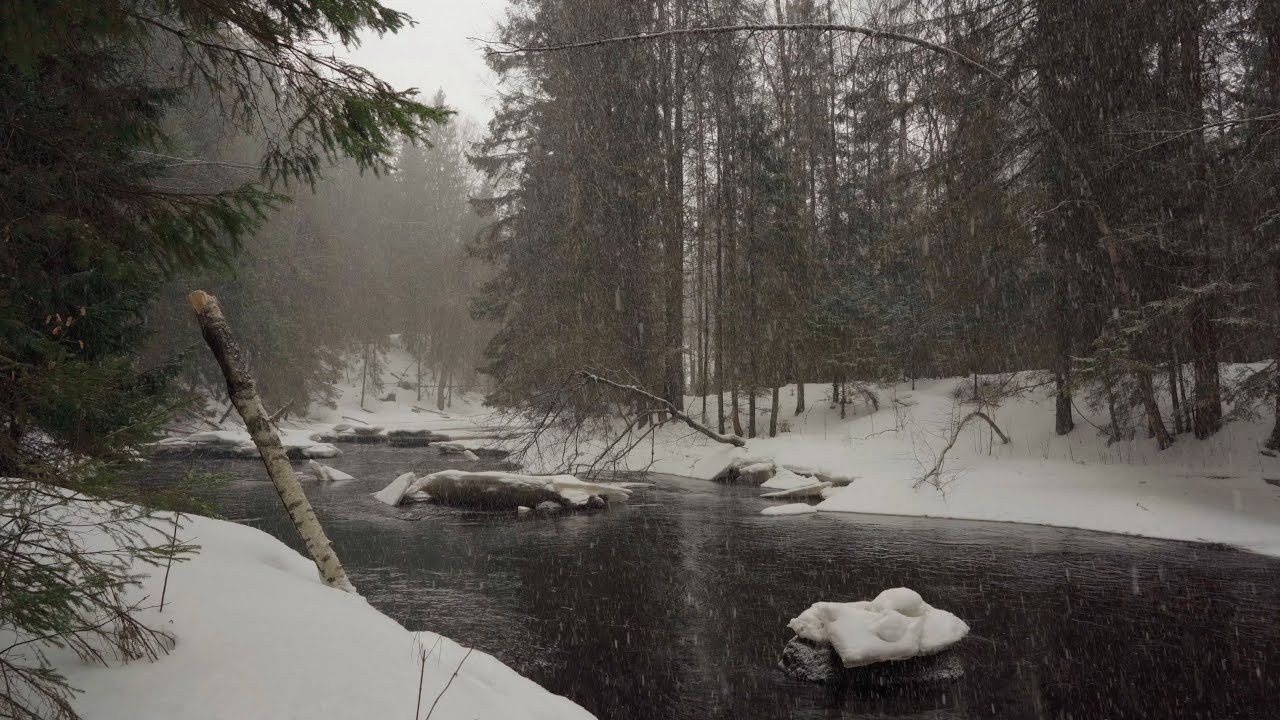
column 675, row 605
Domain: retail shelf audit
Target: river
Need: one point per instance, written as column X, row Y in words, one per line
column 675, row 605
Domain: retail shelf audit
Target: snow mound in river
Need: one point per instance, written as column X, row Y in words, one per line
column 897, row 625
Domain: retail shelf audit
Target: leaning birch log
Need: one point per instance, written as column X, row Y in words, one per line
column 244, row 395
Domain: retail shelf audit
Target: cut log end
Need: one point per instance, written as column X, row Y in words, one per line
column 204, row 303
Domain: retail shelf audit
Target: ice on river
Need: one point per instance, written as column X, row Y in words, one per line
column 897, row 625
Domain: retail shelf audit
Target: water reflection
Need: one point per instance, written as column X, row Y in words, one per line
column 675, row 606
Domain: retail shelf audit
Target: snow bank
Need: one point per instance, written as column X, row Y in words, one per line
column 897, row 625
column 260, row 638
column 792, row 509
column 1211, row 490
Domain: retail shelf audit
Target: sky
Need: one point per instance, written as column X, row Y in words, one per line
column 436, row 53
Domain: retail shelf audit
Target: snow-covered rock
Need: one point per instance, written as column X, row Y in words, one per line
column 792, row 509
column 321, row 450
column 897, row 625
column 818, row 662
column 786, row 479
column 812, row 489
column 394, row 493
column 324, row 473
column 495, row 489
column 218, row 437
column 409, row 437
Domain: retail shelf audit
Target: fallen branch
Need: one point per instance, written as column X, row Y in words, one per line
column 733, row 440
column 934, row 476
column 279, row 413
column 230, row 406
column 348, row 417
column 244, row 396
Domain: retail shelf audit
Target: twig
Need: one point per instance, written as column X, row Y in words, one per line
column 173, row 542
column 936, row 472
column 348, row 417
column 446, row 685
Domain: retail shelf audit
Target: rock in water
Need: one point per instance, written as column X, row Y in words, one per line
column 548, row 506
column 808, row 661
column 895, row 639
column 811, row 662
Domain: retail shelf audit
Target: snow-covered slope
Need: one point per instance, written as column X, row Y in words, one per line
column 259, row 637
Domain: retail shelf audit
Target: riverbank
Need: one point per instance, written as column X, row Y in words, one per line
column 259, row 637
column 1211, row 490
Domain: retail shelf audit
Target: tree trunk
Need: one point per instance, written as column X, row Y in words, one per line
column 244, row 395
column 1268, row 17
column 773, row 413
column 751, row 414
column 1208, row 391
column 442, row 382
column 1175, row 372
column 1273, row 442
column 364, row 372
column 800, row 396
column 737, row 419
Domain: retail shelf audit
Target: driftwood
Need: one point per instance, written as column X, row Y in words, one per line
column 667, row 407
column 244, row 396
column 934, row 476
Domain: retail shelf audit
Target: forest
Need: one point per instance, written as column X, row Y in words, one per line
column 1087, row 188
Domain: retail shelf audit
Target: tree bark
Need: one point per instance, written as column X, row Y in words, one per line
column 800, row 396
column 244, row 395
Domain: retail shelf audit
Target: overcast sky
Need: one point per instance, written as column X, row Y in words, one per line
column 437, row 54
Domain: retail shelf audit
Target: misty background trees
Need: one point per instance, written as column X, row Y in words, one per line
column 725, row 214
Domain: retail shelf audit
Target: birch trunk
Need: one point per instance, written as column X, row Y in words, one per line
column 244, row 395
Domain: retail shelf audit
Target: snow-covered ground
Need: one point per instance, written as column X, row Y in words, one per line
column 1205, row 490
column 259, row 636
